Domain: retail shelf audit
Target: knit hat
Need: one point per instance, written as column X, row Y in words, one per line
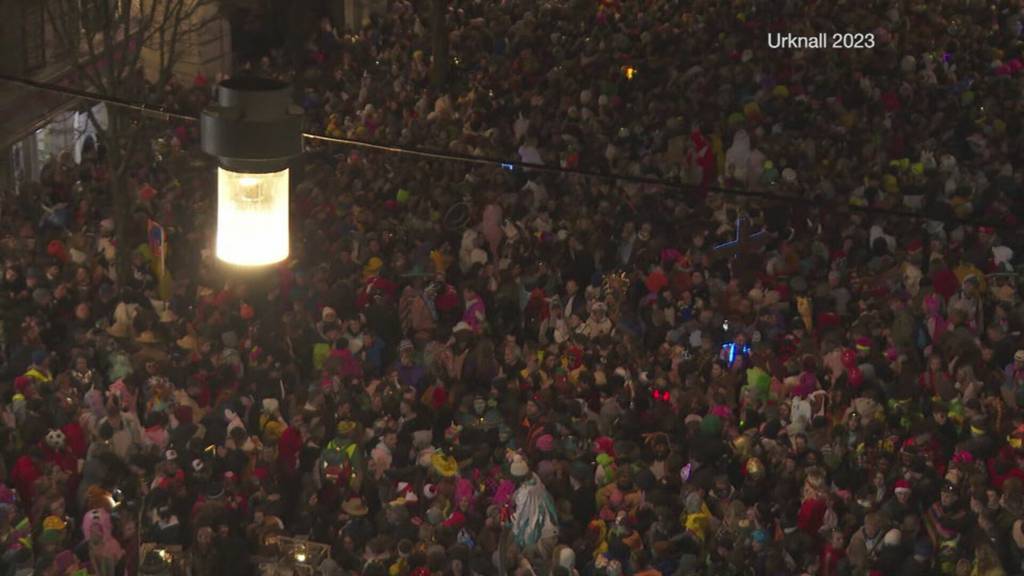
column 519, row 468
column 56, row 249
column 710, row 426
column 373, row 266
column 53, row 530
column 545, row 443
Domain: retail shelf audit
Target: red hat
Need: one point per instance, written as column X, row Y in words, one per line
column 56, row 249
column 915, row 246
column 147, row 192
column 901, row 486
column 827, row 320
column 604, row 445
column 22, row 383
column 456, row 520
column 656, row 281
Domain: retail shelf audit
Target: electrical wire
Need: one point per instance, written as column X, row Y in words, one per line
column 165, row 114
column 119, row 102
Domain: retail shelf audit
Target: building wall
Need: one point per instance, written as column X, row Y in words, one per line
column 205, row 48
column 29, row 50
column 357, row 12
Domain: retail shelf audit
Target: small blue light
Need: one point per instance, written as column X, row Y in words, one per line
column 731, row 351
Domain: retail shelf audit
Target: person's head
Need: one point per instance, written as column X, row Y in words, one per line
column 532, row 408
column 355, row 325
column 406, row 353
column 949, row 495
column 903, row 495
column 872, row 523
column 800, row 442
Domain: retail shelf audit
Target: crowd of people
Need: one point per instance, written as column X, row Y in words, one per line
column 468, row 369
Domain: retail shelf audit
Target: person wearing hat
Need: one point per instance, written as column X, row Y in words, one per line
column 598, row 323
column 535, row 519
column 150, row 349
column 271, row 423
column 410, row 373
column 1013, row 379
column 947, row 518
column 105, row 552
column 901, row 504
column 341, row 462
column 39, row 370
column 354, row 515
column 54, row 534
column 154, row 564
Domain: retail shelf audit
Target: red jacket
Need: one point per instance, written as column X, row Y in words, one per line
column 811, row 516
column 23, row 477
column 75, row 438
column 64, row 459
column 288, row 449
column 996, row 479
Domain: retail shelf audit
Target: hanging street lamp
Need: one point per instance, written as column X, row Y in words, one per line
column 254, row 130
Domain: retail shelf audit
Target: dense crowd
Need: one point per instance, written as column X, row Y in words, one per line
column 466, row 369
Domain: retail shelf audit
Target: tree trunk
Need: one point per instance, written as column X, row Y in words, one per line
column 120, row 193
column 439, row 44
column 336, row 12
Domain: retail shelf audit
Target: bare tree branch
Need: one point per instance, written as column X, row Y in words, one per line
column 105, row 40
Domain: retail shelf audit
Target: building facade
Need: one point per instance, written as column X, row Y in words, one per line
column 38, row 125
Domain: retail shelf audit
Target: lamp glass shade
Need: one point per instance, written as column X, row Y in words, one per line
column 252, row 217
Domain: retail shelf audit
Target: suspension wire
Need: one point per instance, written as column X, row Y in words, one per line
column 163, row 113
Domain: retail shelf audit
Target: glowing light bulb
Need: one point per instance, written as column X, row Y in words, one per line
column 252, row 217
